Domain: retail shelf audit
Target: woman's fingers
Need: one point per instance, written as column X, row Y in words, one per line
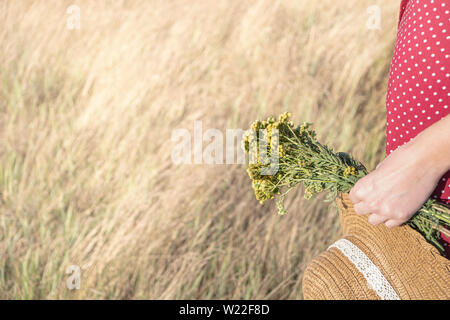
column 362, row 189
column 393, row 223
column 353, row 197
column 384, row 215
column 376, row 219
column 362, row 208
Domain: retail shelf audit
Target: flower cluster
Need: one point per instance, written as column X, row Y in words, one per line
column 301, row 158
column 349, row 171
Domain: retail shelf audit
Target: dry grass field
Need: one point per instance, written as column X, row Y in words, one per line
column 86, row 118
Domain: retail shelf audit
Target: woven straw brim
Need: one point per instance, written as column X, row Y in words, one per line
column 412, row 266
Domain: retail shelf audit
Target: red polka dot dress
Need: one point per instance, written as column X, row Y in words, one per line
column 419, row 80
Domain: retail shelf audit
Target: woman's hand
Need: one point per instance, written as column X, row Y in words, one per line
column 405, row 179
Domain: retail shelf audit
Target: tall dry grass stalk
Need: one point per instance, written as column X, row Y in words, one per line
column 86, row 118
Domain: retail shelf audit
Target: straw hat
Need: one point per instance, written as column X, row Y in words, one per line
column 375, row 262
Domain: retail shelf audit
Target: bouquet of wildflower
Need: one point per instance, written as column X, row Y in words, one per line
column 281, row 155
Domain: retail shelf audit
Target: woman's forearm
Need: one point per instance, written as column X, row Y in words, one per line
column 432, row 146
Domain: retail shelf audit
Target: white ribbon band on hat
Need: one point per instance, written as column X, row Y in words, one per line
column 373, row 275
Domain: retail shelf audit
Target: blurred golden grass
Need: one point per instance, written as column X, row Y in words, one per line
column 86, row 118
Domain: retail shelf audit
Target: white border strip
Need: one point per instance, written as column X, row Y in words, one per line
column 373, row 275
